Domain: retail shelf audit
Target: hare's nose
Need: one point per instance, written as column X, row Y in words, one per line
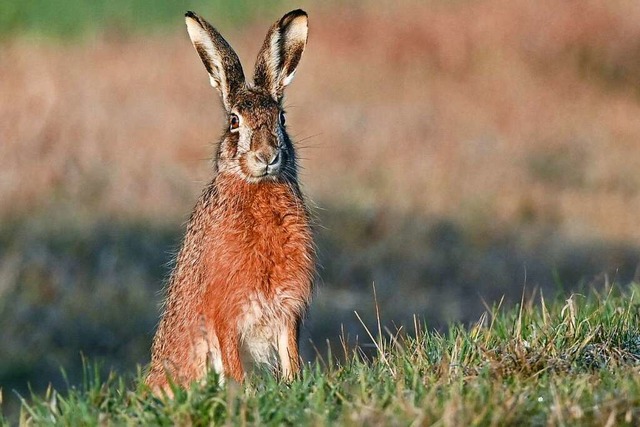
column 269, row 159
column 275, row 158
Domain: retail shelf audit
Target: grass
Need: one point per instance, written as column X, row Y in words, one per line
column 572, row 362
column 77, row 18
column 70, row 288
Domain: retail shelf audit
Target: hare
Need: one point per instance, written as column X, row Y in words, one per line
column 243, row 276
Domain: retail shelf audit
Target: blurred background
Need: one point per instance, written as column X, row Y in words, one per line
column 454, row 152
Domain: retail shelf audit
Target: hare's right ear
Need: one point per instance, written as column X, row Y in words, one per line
column 220, row 60
column 281, row 53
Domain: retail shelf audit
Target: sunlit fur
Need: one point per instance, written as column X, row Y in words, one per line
column 243, row 277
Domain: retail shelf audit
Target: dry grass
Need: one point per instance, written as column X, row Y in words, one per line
column 499, row 112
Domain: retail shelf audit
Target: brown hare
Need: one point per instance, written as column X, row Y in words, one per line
column 243, row 276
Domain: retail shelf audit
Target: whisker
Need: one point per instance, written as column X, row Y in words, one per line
column 295, row 137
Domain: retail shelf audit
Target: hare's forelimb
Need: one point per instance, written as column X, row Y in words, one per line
column 288, row 350
column 230, row 354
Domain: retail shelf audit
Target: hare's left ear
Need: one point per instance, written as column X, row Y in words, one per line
column 220, row 60
column 281, row 53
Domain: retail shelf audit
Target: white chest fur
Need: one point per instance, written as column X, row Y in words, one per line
column 261, row 324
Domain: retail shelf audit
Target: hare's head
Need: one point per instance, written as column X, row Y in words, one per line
column 255, row 145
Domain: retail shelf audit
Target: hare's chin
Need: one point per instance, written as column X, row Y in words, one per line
column 259, row 175
column 264, row 177
column 253, row 173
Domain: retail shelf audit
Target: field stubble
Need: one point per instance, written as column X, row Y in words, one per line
column 433, row 110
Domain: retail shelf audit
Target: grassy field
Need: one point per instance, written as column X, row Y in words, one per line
column 573, row 362
column 454, row 152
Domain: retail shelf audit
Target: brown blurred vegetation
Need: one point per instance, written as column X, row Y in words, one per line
column 455, row 151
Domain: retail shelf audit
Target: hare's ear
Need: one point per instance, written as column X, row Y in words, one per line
column 220, row 60
column 281, row 53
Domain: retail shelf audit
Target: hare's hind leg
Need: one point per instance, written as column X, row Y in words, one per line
column 158, row 382
column 189, row 359
column 288, row 350
column 180, row 367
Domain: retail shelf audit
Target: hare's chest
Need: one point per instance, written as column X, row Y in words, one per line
column 276, row 250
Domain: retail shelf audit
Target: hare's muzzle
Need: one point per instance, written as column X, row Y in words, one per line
column 266, row 161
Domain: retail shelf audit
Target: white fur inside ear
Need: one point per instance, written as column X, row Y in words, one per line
column 295, row 37
column 274, row 55
column 201, row 39
column 288, row 79
column 297, row 29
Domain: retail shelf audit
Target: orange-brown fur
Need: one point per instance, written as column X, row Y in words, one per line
column 242, row 238
column 243, row 277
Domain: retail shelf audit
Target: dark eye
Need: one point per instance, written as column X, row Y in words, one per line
column 234, row 122
column 282, row 118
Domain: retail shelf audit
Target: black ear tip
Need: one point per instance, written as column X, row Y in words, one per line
column 294, row 14
column 289, row 17
column 191, row 15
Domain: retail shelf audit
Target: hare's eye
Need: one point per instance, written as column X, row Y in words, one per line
column 234, row 122
column 282, row 118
